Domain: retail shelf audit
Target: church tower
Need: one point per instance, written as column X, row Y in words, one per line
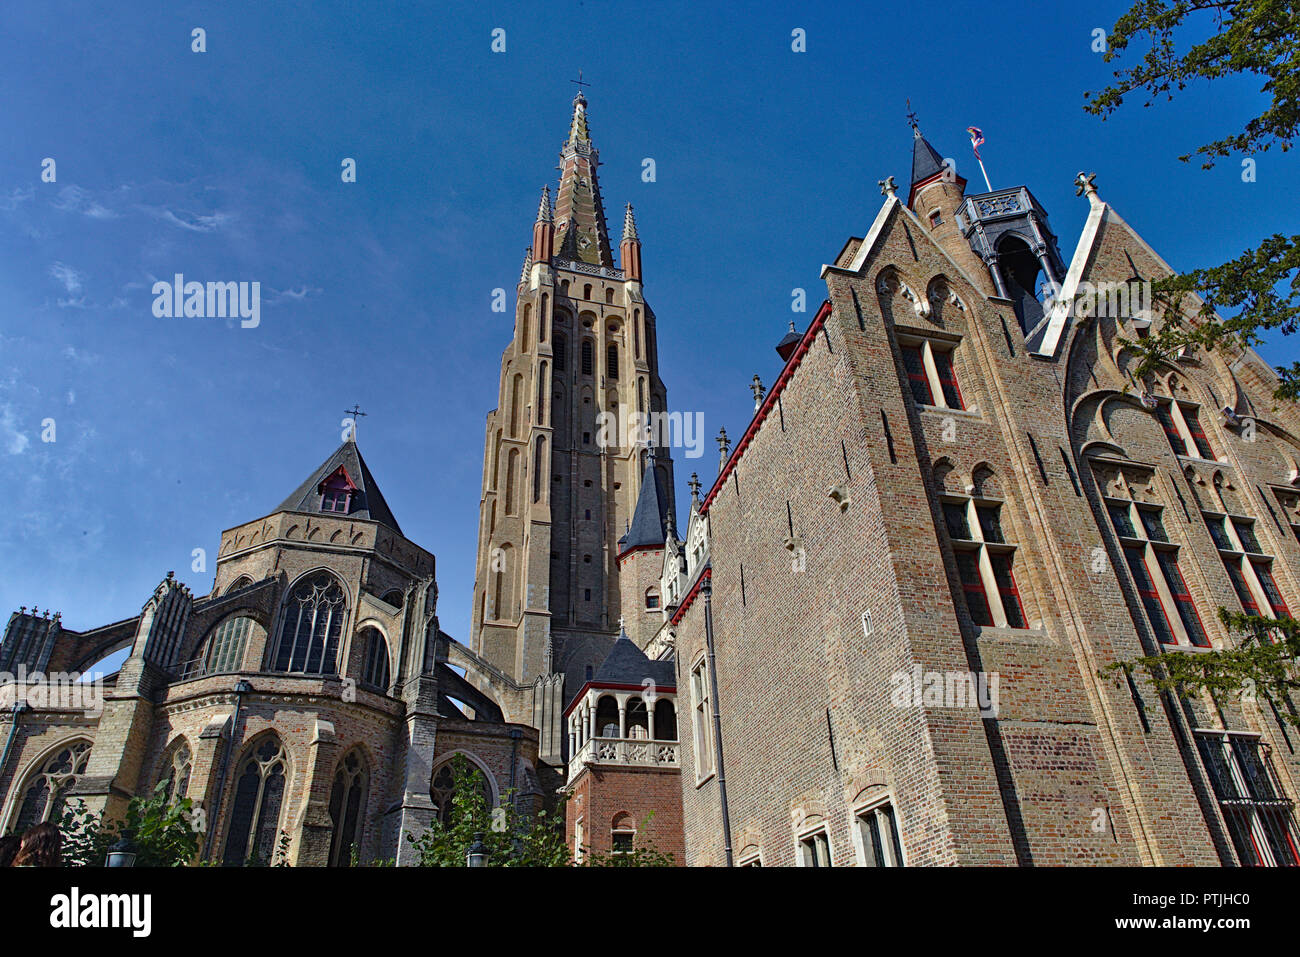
column 562, row 468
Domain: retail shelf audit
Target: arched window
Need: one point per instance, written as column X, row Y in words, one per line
column 47, row 788
column 561, row 344
column 347, row 807
column 313, row 621
column 665, row 720
column 516, row 404
column 611, row 357
column 637, row 717
column 539, row 470
column 512, row 467
column 652, row 598
column 607, row 717
column 177, row 773
column 622, row 833
column 259, row 797
column 586, row 291
column 523, row 326
column 541, row 394
column 227, row 644
column 586, row 357
column 442, row 787
column 609, row 297
column 374, row 668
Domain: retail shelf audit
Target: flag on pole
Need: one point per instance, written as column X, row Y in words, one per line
column 976, row 139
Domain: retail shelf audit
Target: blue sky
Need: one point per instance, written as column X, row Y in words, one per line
column 225, row 165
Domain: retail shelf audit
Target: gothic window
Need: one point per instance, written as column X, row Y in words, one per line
column 347, row 807
column 512, row 468
column 47, row 788
column 443, row 787
column 523, row 327
column 1254, row 806
column 541, row 394
column 516, row 404
column 878, row 829
column 931, row 375
column 561, row 344
column 539, row 467
column 587, row 361
column 177, row 773
column 1249, row 569
column 985, row 560
column 701, row 719
column 227, row 644
column 313, row 621
column 374, row 667
column 254, row 828
column 611, row 357
column 636, row 333
column 1182, row 424
column 1152, row 562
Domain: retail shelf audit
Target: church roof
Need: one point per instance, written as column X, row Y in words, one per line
column 367, row 501
column 626, row 664
column 580, row 230
column 651, row 515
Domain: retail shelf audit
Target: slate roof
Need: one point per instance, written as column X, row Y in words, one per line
column 367, row 501
column 651, row 515
column 926, row 162
column 626, row 664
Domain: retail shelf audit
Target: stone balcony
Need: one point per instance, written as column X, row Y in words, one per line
column 626, row 753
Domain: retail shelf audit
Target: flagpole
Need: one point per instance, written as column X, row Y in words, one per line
column 984, row 171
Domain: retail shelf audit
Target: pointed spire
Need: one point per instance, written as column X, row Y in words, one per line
column 650, row 518
column 528, row 264
column 581, row 230
column 629, row 226
column 545, row 213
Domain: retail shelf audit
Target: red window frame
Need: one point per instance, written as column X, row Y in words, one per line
column 1187, row 612
column 1009, row 591
column 1203, row 446
column 947, row 377
column 1264, row 572
column 335, row 500
column 1171, row 431
column 1239, row 585
column 973, row 585
column 1135, row 555
column 914, row 364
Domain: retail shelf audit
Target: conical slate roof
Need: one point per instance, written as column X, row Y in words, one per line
column 651, row 513
column 367, row 501
column 926, row 161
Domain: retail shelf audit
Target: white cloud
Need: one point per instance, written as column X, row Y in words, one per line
column 14, row 442
column 69, row 277
column 74, row 199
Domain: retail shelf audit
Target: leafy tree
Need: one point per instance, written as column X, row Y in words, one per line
column 162, row 832
column 511, row 839
column 644, row 853
column 1188, row 41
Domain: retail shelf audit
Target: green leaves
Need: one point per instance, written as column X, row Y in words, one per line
column 163, row 833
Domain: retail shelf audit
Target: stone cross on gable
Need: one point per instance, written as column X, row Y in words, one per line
column 620, row 624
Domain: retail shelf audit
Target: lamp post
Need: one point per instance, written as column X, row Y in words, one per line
column 123, row 853
column 477, row 856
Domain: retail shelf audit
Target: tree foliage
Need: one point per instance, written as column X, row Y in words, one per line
column 1187, row 41
column 163, row 832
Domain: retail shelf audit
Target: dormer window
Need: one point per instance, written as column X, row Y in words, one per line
column 336, row 492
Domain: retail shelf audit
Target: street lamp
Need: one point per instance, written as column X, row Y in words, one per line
column 477, row 856
column 123, row 853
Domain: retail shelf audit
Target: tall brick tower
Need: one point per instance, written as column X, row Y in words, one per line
column 559, row 490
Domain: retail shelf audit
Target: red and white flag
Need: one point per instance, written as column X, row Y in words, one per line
column 976, row 139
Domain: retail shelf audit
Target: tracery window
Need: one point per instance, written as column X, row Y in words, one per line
column 178, row 773
column 442, row 788
column 254, row 829
column 347, row 808
column 47, row 788
column 313, row 621
column 931, row 375
column 1182, row 425
column 1249, row 569
column 227, row 644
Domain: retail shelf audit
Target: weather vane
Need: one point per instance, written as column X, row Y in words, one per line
column 579, row 81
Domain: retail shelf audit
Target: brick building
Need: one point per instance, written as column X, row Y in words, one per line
column 877, row 641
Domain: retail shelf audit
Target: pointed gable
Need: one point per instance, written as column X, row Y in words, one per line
column 345, row 472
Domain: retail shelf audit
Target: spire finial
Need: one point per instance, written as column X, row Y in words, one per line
column 694, row 486
column 887, row 186
column 724, row 448
column 757, row 388
column 629, row 226
column 1086, row 183
column 911, row 120
column 355, row 413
